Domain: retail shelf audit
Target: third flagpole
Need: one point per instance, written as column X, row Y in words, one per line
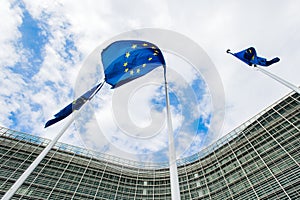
column 284, row 82
column 9, row 194
column 175, row 192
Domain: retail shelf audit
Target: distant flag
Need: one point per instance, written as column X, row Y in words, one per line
column 75, row 105
column 250, row 57
column 126, row 60
column 123, row 61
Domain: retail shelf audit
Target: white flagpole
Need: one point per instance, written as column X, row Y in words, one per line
column 175, row 192
column 37, row 161
column 284, row 82
column 42, row 155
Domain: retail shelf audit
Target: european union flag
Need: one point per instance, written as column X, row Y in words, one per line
column 123, row 61
column 126, row 60
column 250, row 57
column 75, row 105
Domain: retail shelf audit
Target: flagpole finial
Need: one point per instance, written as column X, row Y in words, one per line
column 228, row 51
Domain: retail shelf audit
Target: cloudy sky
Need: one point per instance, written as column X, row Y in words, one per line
column 48, row 46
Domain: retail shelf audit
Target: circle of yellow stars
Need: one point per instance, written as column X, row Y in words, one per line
column 138, row 70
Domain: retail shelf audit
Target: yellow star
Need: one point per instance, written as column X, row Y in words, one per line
column 125, row 64
column 138, row 71
column 127, row 54
column 131, row 72
column 145, row 44
column 134, row 46
column 149, row 58
column 153, row 47
column 155, row 54
column 144, row 65
column 126, row 70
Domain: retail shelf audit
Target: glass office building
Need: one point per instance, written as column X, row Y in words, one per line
column 258, row 160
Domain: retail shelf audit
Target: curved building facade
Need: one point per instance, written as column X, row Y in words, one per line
column 258, row 160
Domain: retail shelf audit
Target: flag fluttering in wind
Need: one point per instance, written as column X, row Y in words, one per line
column 75, row 105
column 123, row 61
column 126, row 60
column 249, row 56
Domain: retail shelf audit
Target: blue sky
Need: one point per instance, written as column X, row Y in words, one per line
column 45, row 46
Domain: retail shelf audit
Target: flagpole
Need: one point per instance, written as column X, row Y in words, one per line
column 37, row 161
column 42, row 155
column 284, row 82
column 175, row 192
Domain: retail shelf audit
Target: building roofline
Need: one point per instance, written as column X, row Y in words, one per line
column 139, row 164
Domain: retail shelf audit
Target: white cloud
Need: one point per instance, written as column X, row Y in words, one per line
column 11, row 84
column 11, row 17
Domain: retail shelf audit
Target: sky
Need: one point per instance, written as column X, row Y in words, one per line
column 51, row 55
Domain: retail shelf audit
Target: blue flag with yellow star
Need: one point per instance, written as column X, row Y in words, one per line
column 249, row 56
column 75, row 105
column 126, row 60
